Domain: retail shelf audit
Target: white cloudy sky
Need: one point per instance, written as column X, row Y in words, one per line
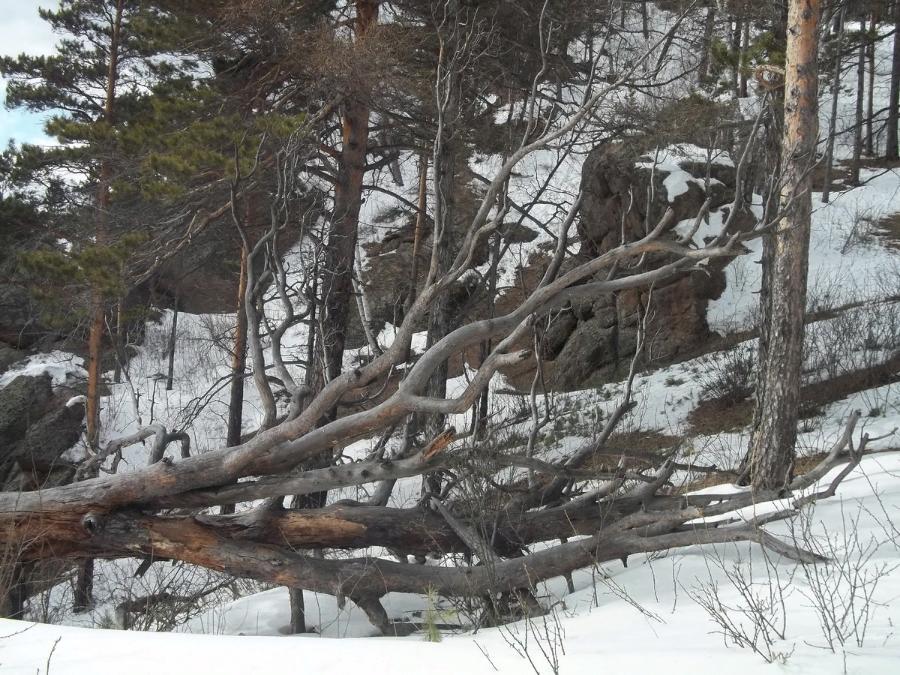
column 21, row 30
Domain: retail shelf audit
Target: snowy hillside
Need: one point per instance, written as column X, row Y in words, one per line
column 736, row 607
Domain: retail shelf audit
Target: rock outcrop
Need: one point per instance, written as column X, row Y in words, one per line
column 625, row 191
column 624, row 194
column 37, row 426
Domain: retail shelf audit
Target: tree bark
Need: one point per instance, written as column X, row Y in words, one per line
column 173, row 341
column 832, row 121
column 860, row 107
column 85, row 583
column 445, row 157
column 120, row 340
column 238, row 368
column 709, row 26
column 84, row 586
column 870, row 99
column 892, row 151
column 340, row 254
column 238, row 361
column 737, row 32
column 95, row 339
column 773, row 439
column 743, row 68
column 298, row 611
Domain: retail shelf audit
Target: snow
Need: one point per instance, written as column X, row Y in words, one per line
column 670, row 161
column 848, row 261
column 60, row 366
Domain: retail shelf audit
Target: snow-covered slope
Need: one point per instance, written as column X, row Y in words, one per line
column 646, row 616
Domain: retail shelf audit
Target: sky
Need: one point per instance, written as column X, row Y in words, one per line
column 22, row 30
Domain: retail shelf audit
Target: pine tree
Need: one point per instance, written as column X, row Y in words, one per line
column 136, row 133
column 783, row 296
column 92, row 86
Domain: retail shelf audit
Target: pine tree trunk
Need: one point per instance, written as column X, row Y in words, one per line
column 298, row 611
column 340, row 252
column 342, row 237
column 832, row 121
column 95, row 356
column 708, row 30
column 173, row 342
column 870, row 99
column 440, row 316
column 773, row 439
column 120, row 340
column 737, row 32
column 860, row 107
column 645, row 21
column 892, row 152
column 446, row 155
column 340, row 256
column 84, row 586
column 238, row 360
column 745, row 46
column 419, row 233
column 238, row 368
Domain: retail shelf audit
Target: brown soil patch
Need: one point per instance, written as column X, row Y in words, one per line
column 717, row 416
column 888, row 229
column 840, row 178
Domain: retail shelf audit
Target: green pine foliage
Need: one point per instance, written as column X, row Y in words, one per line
column 764, row 49
column 173, row 137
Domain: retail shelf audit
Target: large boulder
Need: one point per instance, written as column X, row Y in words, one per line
column 22, row 403
column 39, row 455
column 38, row 425
column 625, row 190
column 9, row 357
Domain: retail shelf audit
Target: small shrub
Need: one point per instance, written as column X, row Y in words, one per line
column 729, row 377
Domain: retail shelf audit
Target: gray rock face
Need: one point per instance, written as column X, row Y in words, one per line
column 620, row 199
column 39, row 453
column 8, row 357
column 616, row 195
column 589, row 341
column 22, row 402
column 36, row 428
